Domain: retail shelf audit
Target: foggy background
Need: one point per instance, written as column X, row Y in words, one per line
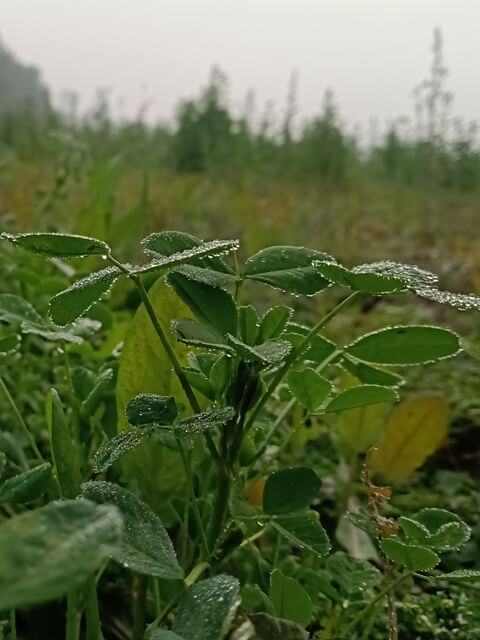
column 370, row 52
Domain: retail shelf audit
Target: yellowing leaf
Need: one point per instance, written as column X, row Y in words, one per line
column 145, row 368
column 415, row 429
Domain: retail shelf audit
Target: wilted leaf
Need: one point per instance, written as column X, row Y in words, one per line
column 415, row 429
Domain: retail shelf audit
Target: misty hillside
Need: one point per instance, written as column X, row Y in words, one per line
column 20, row 85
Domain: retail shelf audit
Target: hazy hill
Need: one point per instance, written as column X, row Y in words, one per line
column 20, row 85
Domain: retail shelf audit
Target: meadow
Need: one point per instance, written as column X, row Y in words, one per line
column 235, row 401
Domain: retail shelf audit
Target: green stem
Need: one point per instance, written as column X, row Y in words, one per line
column 92, row 614
column 221, row 506
column 20, row 420
column 291, row 403
column 13, row 625
column 384, row 592
column 139, row 609
column 160, row 331
column 72, row 631
column 177, row 367
column 296, row 353
column 188, row 471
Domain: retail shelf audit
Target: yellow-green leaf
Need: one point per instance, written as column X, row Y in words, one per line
column 415, row 429
column 145, row 368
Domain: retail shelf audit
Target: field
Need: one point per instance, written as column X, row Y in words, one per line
column 267, row 443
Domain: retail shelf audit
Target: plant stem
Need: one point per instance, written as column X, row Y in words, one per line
column 351, row 627
column 188, row 471
column 166, row 344
column 392, row 617
column 296, row 353
column 139, row 609
column 72, row 631
column 20, row 420
column 160, row 331
column 13, row 625
column 94, row 627
column 221, row 506
column 289, row 406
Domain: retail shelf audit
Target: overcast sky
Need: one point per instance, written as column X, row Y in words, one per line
column 370, row 52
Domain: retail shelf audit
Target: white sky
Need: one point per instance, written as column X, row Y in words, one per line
column 371, row 52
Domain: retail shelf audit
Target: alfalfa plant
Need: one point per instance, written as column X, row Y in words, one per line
column 244, row 375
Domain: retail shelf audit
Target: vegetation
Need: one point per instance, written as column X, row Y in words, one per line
column 239, row 439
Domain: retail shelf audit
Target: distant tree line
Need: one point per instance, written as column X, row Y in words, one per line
column 206, row 137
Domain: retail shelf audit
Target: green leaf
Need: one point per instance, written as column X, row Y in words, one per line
column 9, row 343
column 371, row 375
column 201, row 252
column 195, row 333
column 49, row 551
column 461, row 574
column 3, row 462
column 207, row 609
column 372, row 283
column 304, row 531
column 447, row 531
column 352, row 575
column 266, row 627
column 16, row 310
column 199, row 382
column 64, row 446
column 290, row 490
column 319, row 349
column 361, row 396
column 26, row 486
column 145, row 546
column 288, row 268
column 168, row 243
column 118, row 446
column 248, row 325
column 70, row 304
column 290, row 599
column 274, row 322
column 405, row 345
column 210, row 277
column 204, row 422
column 160, row 634
column 205, row 302
column 270, row 352
column 423, row 283
column 58, row 245
column 150, row 408
column 308, row 387
column 220, row 374
column 415, row 558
